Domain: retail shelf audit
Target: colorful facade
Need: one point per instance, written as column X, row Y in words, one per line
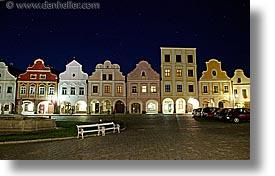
column 7, row 90
column 241, row 89
column 143, row 90
column 107, row 89
column 179, row 93
column 72, row 90
column 215, row 86
column 37, row 90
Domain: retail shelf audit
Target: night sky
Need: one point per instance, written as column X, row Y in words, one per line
column 126, row 32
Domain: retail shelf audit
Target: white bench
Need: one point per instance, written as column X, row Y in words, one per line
column 109, row 126
column 99, row 128
column 90, row 129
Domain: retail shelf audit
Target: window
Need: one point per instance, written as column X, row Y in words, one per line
column 81, row 91
column 239, row 80
column 72, row 90
column 32, row 90
column 214, row 73
column 190, row 59
column 205, row 89
column 179, row 88
column 143, row 73
column 107, row 89
column 153, row 89
column 64, row 90
column 167, row 88
column 190, row 73
column 143, row 89
column 191, row 88
column 33, row 76
column 41, row 90
column 244, row 93
column 42, row 76
column 119, row 89
column 179, row 73
column 167, row 72
column 9, row 90
column 104, row 77
column 235, row 91
column 95, row 89
column 178, row 58
column 23, row 90
column 51, row 90
column 226, row 89
column 134, row 89
column 110, row 77
column 216, row 89
column 167, row 58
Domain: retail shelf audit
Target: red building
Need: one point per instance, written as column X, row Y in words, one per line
column 143, row 90
column 37, row 90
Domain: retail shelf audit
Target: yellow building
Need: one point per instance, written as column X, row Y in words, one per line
column 215, row 86
column 179, row 93
column 241, row 87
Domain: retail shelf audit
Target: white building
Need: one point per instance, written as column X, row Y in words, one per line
column 7, row 90
column 241, row 89
column 72, row 89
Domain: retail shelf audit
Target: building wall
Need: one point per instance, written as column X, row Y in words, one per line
column 215, row 88
column 182, row 79
column 147, row 84
column 33, row 99
column 111, row 91
column 7, row 90
column 72, row 78
column 241, row 89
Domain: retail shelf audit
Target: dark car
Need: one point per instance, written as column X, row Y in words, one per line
column 222, row 114
column 209, row 112
column 238, row 114
column 197, row 112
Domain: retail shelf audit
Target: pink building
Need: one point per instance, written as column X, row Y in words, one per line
column 143, row 90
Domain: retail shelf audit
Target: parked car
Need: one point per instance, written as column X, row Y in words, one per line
column 222, row 113
column 238, row 114
column 197, row 112
column 209, row 112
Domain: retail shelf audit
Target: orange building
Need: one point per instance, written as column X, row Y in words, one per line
column 37, row 90
column 215, row 87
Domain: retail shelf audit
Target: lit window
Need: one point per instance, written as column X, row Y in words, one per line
column 167, row 72
column 41, row 90
column 143, row 89
column 107, row 89
column 179, row 73
column 51, row 90
column 23, row 90
column 32, row 90
column 153, row 89
column 119, row 89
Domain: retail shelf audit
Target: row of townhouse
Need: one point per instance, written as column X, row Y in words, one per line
column 106, row 90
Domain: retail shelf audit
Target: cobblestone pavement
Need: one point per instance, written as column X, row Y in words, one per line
column 147, row 137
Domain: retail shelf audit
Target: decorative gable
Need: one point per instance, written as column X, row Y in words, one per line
column 214, row 71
